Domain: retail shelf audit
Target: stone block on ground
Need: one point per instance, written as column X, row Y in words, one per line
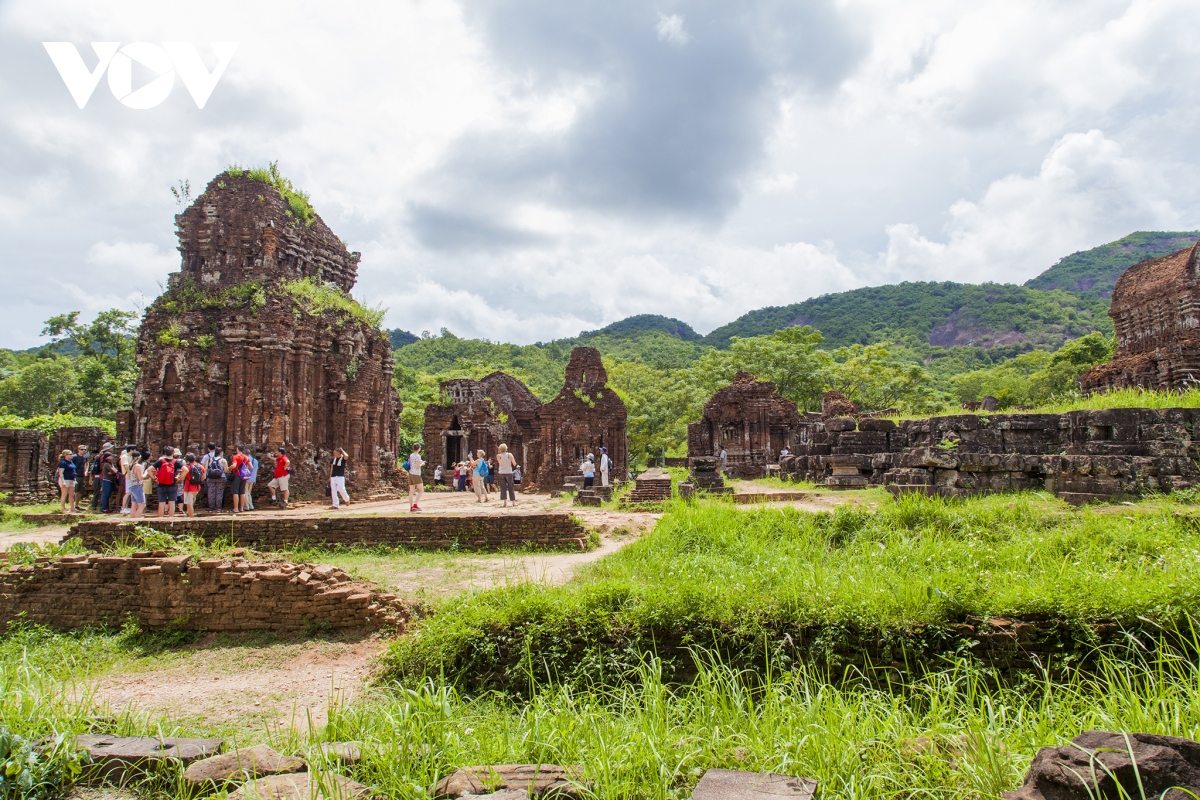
column 1167, row 767
column 539, row 780
column 116, row 758
column 727, row 784
column 303, row 786
column 346, row 752
column 242, row 764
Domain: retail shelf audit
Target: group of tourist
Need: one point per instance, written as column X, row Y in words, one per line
column 176, row 479
column 483, row 475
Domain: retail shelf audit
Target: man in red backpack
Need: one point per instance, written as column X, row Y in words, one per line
column 164, row 473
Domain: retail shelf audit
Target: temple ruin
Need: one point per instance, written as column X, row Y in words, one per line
column 23, row 459
column 752, row 422
column 256, row 341
column 1155, row 311
column 550, row 441
column 481, row 415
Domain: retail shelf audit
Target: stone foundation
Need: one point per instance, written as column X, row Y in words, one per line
column 23, row 455
column 423, row 532
column 210, row 595
column 1080, row 455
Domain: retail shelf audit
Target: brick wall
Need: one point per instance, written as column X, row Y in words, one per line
column 1080, row 455
column 426, row 532
column 211, row 595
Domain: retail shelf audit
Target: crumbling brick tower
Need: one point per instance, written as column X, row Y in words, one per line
column 751, row 420
column 1156, row 314
column 585, row 416
column 257, row 341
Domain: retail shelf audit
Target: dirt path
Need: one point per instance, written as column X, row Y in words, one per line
column 246, row 683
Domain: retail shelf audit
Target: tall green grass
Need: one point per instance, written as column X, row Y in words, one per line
column 950, row 734
column 819, row 585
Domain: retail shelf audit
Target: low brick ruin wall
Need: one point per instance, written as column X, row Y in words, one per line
column 210, row 595
column 1080, row 455
column 417, row 531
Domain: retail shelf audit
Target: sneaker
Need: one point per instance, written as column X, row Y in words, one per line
column 413, row 507
column 124, row 510
column 416, row 508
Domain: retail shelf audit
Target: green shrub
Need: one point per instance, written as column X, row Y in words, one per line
column 320, row 298
column 299, row 206
column 37, row 773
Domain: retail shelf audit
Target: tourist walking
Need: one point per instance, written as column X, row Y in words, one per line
column 337, row 477
column 506, row 463
column 464, row 472
column 479, row 477
column 416, row 489
column 239, row 471
column 164, row 473
column 135, row 484
column 215, row 480
column 605, row 466
column 588, row 468
column 193, row 482
column 723, row 457
column 64, row 476
column 279, row 478
column 248, row 495
column 80, row 460
column 491, row 475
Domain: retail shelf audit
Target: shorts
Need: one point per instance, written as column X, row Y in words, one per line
column 235, row 484
column 280, row 483
column 168, row 493
column 189, row 498
column 66, row 484
column 137, row 494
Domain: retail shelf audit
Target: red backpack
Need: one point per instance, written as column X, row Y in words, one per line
column 166, row 472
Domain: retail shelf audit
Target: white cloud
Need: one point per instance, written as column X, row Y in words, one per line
column 670, row 29
column 973, row 140
column 1085, row 191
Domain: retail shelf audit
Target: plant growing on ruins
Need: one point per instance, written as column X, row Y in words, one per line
column 206, row 341
column 172, row 336
column 299, row 207
column 352, row 369
column 580, row 396
column 320, row 298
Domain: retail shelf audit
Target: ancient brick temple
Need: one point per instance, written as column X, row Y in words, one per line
column 23, row 456
column 1155, row 311
column 550, row 441
column 257, row 342
column 583, row 417
column 751, row 421
column 481, row 415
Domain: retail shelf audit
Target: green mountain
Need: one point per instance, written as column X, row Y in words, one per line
column 399, row 337
column 933, row 314
column 631, row 326
column 1094, row 272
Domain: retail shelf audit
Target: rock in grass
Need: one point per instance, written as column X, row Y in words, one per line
column 1096, row 762
column 303, row 786
column 727, row 784
column 503, row 794
column 240, row 765
column 345, row 752
column 537, row 780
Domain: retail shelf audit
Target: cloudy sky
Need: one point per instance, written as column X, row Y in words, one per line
column 524, row 169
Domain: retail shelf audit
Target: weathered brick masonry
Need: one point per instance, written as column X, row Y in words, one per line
column 429, row 532
column 212, row 595
column 1080, row 455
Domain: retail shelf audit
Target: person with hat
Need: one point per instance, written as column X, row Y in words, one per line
column 605, row 466
column 588, row 468
column 109, row 471
column 80, row 460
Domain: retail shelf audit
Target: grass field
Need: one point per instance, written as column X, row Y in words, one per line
column 642, row 727
column 745, row 581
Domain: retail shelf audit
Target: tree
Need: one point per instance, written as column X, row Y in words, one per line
column 789, row 358
column 110, row 337
column 875, row 379
column 47, row 386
